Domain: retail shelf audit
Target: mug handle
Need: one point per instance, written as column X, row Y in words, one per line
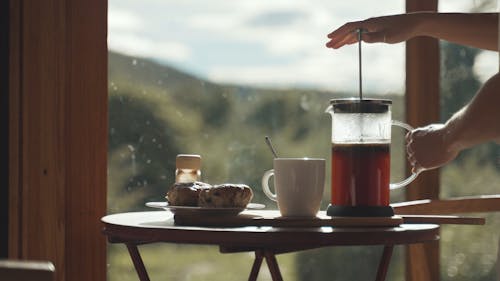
column 265, row 184
column 413, row 175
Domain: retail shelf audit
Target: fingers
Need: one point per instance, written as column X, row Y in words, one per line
column 410, row 153
column 416, row 167
column 349, row 39
column 352, row 37
column 408, row 136
column 345, row 35
column 410, row 150
column 344, row 30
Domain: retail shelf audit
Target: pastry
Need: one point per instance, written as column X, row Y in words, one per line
column 225, row 196
column 186, row 194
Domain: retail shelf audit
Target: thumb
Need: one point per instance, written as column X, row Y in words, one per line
column 373, row 37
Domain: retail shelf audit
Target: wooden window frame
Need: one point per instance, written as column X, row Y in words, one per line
column 422, row 108
column 57, row 134
column 4, row 128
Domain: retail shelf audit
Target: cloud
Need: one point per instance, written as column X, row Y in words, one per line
column 281, row 28
column 277, row 42
column 137, row 45
column 123, row 20
column 277, row 18
column 296, row 31
column 128, row 34
column 302, row 41
column 324, row 69
column 486, row 65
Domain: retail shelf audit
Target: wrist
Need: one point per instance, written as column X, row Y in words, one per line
column 423, row 23
column 452, row 138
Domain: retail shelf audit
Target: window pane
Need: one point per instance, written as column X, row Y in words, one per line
column 213, row 78
column 468, row 252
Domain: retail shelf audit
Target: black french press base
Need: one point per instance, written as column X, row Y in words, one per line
column 359, row 211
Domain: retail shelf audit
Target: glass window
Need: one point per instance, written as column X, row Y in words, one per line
column 468, row 252
column 213, row 78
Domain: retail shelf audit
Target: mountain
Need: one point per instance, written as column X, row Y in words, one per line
column 141, row 71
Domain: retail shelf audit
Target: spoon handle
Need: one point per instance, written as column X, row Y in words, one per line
column 269, row 143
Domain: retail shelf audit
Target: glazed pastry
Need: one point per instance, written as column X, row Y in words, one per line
column 186, row 194
column 225, row 196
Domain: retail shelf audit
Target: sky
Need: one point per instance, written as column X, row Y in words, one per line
column 278, row 43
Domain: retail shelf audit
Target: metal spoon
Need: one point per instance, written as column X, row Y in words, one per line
column 268, row 142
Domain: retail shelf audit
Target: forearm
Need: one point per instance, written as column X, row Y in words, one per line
column 479, row 121
column 478, row 30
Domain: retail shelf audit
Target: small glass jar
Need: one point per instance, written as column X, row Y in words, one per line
column 188, row 168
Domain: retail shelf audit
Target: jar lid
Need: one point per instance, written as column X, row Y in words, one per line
column 354, row 105
column 188, row 161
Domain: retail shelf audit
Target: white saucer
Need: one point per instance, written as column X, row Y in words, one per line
column 188, row 210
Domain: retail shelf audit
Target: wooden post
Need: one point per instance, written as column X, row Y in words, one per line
column 4, row 127
column 422, row 108
column 57, row 134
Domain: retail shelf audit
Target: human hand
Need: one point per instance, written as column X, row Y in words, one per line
column 429, row 148
column 387, row 29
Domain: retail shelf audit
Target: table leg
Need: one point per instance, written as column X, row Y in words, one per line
column 272, row 263
column 137, row 260
column 256, row 265
column 384, row 263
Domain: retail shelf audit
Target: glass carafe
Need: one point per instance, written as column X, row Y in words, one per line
column 360, row 172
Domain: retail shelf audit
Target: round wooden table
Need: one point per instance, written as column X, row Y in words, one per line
column 138, row 228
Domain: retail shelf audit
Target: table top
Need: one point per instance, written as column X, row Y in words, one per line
column 159, row 226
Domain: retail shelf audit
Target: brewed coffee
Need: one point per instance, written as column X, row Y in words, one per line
column 360, row 174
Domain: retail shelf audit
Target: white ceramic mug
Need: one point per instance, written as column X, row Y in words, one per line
column 299, row 185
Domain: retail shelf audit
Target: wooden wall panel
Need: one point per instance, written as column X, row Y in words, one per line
column 42, row 131
column 4, row 128
column 86, row 134
column 58, row 92
column 14, row 130
column 422, row 108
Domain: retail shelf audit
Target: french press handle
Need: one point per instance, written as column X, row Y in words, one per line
column 413, row 175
